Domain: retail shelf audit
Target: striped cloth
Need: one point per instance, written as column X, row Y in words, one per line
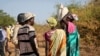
column 26, row 41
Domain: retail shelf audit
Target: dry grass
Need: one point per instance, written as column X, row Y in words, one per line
column 89, row 44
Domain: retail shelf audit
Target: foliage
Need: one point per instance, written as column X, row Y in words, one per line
column 5, row 19
column 89, row 20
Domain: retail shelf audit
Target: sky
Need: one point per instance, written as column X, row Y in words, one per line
column 43, row 9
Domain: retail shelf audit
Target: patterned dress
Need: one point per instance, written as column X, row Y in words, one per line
column 47, row 36
column 58, row 43
column 72, row 40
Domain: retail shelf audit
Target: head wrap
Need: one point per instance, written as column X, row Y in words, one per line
column 28, row 16
column 75, row 17
column 20, row 17
column 52, row 21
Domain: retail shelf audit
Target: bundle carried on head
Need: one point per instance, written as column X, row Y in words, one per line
column 64, row 12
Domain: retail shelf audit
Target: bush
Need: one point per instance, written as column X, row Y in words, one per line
column 6, row 19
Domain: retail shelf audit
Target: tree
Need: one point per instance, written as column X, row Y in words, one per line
column 96, row 9
column 6, row 19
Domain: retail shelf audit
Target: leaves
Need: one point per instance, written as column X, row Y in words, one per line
column 5, row 19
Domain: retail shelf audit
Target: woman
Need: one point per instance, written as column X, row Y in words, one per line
column 3, row 36
column 58, row 43
column 72, row 35
column 71, row 30
column 52, row 23
column 20, row 23
column 27, row 38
